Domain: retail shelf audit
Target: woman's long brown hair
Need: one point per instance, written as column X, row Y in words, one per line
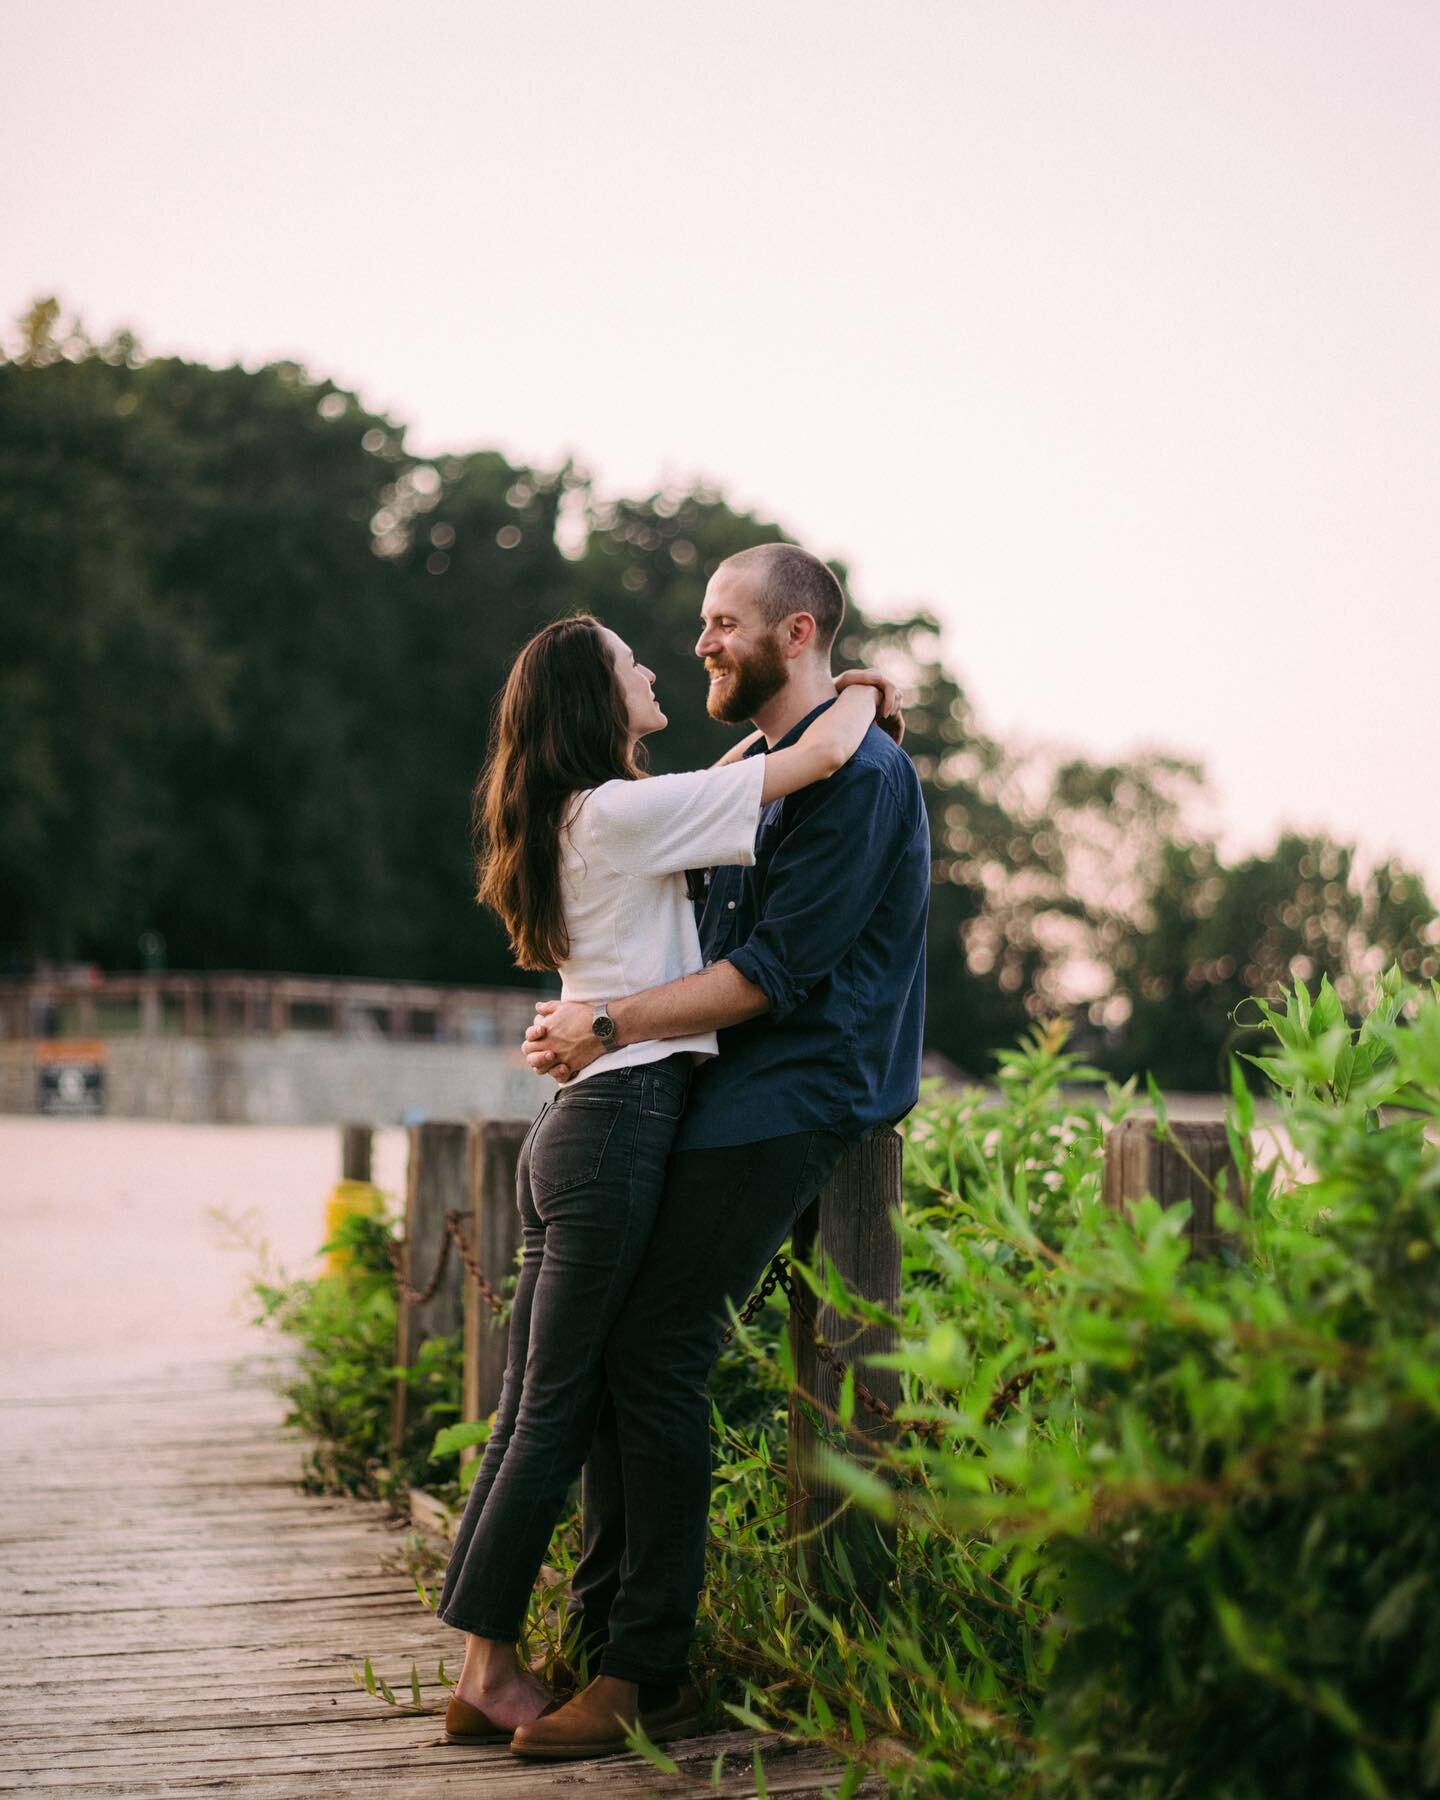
column 559, row 726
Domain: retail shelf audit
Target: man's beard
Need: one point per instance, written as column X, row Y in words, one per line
column 746, row 686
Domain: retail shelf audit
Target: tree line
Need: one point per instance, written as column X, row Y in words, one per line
column 248, row 647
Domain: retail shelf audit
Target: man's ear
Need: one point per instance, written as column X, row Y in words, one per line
column 799, row 633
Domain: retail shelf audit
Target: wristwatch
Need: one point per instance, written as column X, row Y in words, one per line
column 602, row 1024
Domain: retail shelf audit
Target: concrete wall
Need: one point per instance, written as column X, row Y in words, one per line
column 299, row 1078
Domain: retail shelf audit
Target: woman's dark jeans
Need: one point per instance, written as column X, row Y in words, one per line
column 724, row 1214
column 588, row 1182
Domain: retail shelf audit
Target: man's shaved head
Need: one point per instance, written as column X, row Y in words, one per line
column 784, row 579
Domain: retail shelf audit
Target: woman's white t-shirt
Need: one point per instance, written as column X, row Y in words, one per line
column 622, row 883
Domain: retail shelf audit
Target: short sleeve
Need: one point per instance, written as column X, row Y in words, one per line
column 670, row 823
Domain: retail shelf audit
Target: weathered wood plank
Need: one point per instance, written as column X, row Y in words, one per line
column 211, row 1616
column 355, row 1145
column 849, row 1226
column 1189, row 1162
column 494, row 1228
column 436, row 1183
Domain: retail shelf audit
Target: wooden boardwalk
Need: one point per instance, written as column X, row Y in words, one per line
column 181, row 1619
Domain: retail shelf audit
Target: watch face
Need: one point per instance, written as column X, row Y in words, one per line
column 603, row 1027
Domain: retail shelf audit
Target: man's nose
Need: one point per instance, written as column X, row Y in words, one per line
column 705, row 643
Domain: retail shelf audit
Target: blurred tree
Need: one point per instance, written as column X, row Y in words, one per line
column 38, row 345
column 1210, row 935
column 248, row 650
column 103, row 674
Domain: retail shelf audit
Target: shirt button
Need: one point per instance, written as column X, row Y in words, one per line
column 730, row 905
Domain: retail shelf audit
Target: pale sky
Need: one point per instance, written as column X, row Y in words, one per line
column 1110, row 331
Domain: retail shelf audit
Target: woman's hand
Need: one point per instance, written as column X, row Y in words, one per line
column 561, row 1040
column 888, row 714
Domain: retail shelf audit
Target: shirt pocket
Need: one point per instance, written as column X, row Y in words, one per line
column 569, row 1143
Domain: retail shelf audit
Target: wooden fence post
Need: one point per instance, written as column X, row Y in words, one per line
column 493, row 1223
column 355, row 1143
column 1186, row 1164
column 435, row 1181
column 849, row 1224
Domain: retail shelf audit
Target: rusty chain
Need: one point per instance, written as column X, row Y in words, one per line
column 399, row 1253
column 1006, row 1395
column 778, row 1276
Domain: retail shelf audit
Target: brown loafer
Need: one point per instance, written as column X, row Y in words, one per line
column 589, row 1726
column 466, row 1724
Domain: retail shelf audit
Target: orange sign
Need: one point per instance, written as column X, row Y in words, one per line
column 69, row 1050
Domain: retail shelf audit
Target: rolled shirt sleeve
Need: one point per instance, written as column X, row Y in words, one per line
column 823, row 883
column 669, row 823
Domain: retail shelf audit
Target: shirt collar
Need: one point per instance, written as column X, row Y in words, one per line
column 760, row 748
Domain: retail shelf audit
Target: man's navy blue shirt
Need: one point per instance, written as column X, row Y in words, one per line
column 830, row 925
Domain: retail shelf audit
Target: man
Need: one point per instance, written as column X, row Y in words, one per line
column 814, row 978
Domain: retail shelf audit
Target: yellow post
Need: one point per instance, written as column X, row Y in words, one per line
column 347, row 1198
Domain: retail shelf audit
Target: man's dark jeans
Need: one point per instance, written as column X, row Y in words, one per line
column 589, row 1181
column 723, row 1215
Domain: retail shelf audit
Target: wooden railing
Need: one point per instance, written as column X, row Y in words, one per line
column 94, row 1005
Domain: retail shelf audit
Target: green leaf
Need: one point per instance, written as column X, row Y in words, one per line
column 762, row 1791
column 640, row 1743
column 369, row 1677
column 1243, row 1099
column 454, row 1438
column 1327, row 1012
column 1367, row 1778
column 415, row 1684
column 1391, row 1618
column 850, row 1783
column 864, row 1485
column 1272, row 1067
column 747, row 1716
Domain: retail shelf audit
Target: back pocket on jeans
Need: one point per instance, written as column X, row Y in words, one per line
column 569, row 1146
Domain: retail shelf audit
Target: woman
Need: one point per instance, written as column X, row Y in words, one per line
column 583, row 859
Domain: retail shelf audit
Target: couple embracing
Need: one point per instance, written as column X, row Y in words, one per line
column 724, row 1037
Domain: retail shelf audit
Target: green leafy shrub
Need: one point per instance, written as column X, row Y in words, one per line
column 341, row 1384
column 1176, row 1530
column 1170, row 1529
